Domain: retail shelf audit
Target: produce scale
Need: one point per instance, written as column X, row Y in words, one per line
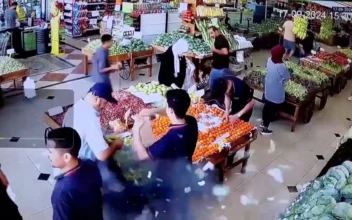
column 217, row 139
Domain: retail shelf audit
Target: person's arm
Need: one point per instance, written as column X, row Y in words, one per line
column 285, row 73
column 3, row 179
column 102, row 65
column 152, row 111
column 224, row 45
column 97, row 143
column 247, row 97
column 62, row 208
column 152, row 152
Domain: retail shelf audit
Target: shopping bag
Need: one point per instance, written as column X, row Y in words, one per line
column 189, row 79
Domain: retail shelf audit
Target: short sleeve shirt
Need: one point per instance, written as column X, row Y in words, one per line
column 10, row 18
column 100, row 61
column 221, row 61
column 86, row 121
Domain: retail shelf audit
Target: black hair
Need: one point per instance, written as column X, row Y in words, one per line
column 105, row 38
column 179, row 101
column 213, row 28
column 14, row 4
column 219, row 88
column 66, row 139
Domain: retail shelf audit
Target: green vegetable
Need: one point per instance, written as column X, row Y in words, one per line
column 342, row 211
column 326, row 29
column 346, row 192
column 115, row 49
column 9, row 65
column 327, row 217
column 348, row 165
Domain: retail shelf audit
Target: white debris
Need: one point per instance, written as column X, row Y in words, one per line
column 208, row 166
column 223, row 207
column 156, row 214
column 159, row 180
column 276, row 174
column 270, row 198
column 221, row 218
column 210, row 207
column 149, row 174
column 167, row 200
column 200, row 173
column 187, row 189
column 221, row 190
column 201, row 183
column 272, row 147
column 248, row 200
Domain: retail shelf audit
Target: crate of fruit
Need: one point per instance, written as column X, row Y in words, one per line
column 11, row 69
column 115, row 51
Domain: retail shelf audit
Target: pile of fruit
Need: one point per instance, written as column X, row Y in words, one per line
column 149, row 88
column 326, row 29
column 267, row 26
column 203, row 27
column 293, row 90
column 332, row 67
column 115, row 49
column 300, row 27
column 327, row 198
column 203, row 11
column 9, row 65
column 311, row 79
column 216, row 135
column 138, row 45
column 131, row 168
column 126, row 101
column 347, row 52
column 196, row 45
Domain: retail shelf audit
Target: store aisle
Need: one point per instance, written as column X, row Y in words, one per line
column 279, row 165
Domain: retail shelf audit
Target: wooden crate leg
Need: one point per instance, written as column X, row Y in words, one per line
column 132, row 69
column 295, row 116
column 245, row 158
column 220, row 171
column 150, row 67
column 323, row 99
column 85, row 65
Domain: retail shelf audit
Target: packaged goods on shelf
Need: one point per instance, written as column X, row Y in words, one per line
column 203, row 11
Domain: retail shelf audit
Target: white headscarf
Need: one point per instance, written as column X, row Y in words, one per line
column 178, row 49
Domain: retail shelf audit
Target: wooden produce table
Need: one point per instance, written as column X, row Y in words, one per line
column 21, row 74
column 301, row 108
column 123, row 57
column 218, row 159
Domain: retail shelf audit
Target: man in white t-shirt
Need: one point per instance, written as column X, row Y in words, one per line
column 289, row 37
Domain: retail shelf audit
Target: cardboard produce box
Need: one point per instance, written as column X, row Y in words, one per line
column 104, row 29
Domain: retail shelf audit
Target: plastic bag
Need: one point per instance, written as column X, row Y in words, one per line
column 240, row 56
column 29, row 88
column 189, row 79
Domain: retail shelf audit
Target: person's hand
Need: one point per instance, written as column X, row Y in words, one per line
column 117, row 144
column 213, row 49
column 233, row 118
column 146, row 112
column 138, row 123
column 3, row 180
column 117, row 66
column 225, row 117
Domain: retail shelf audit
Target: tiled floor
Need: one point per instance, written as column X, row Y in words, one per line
column 277, row 168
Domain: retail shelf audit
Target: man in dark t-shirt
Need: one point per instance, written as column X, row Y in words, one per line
column 221, row 58
column 172, row 154
column 77, row 192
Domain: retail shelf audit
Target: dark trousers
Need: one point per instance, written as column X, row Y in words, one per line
column 269, row 112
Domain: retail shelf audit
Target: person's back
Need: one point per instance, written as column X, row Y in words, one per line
column 77, row 194
column 277, row 75
column 288, row 32
column 10, row 17
column 100, row 61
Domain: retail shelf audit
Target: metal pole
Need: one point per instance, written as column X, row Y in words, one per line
column 266, row 8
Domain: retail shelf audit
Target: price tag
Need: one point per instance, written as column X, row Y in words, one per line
column 338, row 47
column 95, row 13
column 313, row 52
column 93, row 21
column 349, row 60
column 10, row 51
column 117, row 7
column 322, row 49
column 88, row 39
column 217, row 5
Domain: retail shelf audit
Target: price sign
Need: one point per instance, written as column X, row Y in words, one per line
column 322, row 49
column 10, row 51
column 217, row 5
column 93, row 21
column 313, row 52
column 95, row 13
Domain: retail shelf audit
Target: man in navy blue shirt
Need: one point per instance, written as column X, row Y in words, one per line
column 77, row 192
column 172, row 155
